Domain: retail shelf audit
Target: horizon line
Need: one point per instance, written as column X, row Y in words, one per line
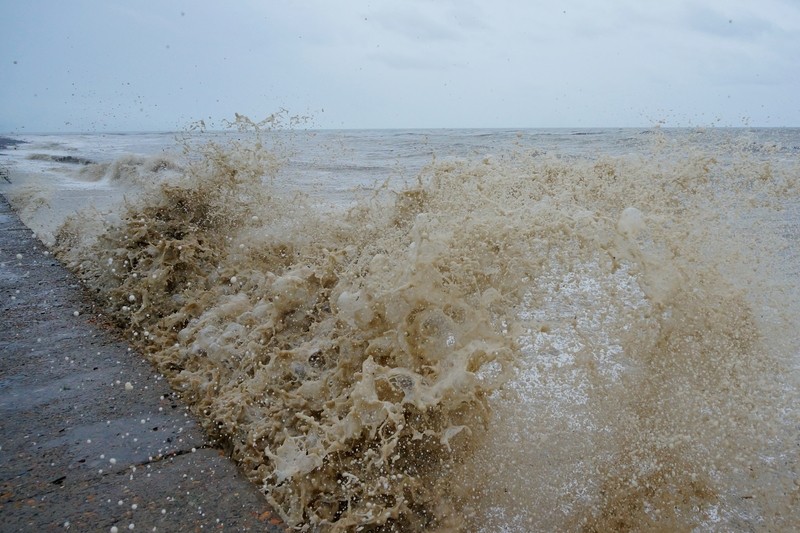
column 434, row 128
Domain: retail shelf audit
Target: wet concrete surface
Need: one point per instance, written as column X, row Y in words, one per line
column 91, row 437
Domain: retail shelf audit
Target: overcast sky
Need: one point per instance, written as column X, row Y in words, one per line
column 125, row 65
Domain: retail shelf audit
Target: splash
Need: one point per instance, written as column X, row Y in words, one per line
column 520, row 343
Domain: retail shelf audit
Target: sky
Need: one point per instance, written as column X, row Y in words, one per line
column 136, row 65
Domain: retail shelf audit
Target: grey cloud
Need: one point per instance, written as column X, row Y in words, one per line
column 406, row 61
column 417, row 26
column 709, row 21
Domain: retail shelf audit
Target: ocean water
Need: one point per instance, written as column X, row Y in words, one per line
column 458, row 330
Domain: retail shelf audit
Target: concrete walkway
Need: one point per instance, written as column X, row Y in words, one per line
column 91, row 438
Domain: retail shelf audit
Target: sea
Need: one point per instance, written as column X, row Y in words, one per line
column 496, row 330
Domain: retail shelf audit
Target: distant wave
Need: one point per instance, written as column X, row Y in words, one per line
column 69, row 159
column 8, row 142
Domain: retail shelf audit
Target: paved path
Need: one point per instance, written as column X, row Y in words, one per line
column 91, row 438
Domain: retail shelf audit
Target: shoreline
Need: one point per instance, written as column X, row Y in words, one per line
column 93, row 437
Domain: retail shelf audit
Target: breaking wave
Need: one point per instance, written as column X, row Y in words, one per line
column 519, row 343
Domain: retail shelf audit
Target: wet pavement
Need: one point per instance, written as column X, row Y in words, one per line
column 91, row 437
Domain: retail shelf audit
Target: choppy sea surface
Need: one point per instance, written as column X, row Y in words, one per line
column 458, row 330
